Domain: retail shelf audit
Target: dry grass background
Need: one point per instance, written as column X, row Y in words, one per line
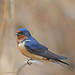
column 51, row 22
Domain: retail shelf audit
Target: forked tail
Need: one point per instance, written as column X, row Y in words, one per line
column 60, row 61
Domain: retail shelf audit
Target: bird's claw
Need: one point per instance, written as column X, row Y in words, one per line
column 29, row 62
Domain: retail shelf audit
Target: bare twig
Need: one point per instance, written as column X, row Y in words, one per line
column 29, row 62
column 3, row 26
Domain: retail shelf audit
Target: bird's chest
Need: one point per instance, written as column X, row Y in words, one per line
column 25, row 52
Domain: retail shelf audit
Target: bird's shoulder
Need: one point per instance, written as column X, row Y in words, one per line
column 31, row 42
column 34, row 46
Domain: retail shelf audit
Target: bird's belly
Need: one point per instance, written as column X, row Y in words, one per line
column 25, row 52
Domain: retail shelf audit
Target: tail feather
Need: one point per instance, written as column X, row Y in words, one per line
column 61, row 57
column 61, row 61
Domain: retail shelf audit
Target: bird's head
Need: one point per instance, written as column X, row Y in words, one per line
column 22, row 33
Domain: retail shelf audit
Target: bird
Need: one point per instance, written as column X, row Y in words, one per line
column 31, row 48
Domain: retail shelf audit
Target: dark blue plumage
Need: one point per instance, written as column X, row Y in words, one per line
column 34, row 47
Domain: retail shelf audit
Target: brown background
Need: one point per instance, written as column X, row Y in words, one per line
column 51, row 22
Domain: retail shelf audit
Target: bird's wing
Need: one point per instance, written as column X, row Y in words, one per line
column 41, row 50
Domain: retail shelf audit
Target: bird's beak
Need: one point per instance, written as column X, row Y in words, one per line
column 16, row 34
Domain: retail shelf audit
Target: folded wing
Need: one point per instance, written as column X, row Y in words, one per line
column 41, row 50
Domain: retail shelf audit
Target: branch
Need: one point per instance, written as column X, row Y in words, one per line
column 29, row 62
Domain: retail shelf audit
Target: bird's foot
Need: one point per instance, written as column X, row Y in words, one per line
column 29, row 62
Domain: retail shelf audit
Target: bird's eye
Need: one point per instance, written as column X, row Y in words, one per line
column 20, row 32
column 24, row 31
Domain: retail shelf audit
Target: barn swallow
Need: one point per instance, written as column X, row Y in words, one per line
column 31, row 48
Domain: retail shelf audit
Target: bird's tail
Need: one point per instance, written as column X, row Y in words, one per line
column 60, row 61
column 57, row 60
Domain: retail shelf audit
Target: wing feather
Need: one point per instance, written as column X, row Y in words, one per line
column 41, row 50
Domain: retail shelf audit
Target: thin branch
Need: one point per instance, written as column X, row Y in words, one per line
column 3, row 25
column 29, row 62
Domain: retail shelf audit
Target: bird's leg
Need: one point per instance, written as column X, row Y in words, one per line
column 29, row 62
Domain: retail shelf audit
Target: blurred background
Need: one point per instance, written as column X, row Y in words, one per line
column 51, row 22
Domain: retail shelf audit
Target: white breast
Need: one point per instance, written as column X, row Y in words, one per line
column 23, row 42
column 25, row 52
column 22, row 48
